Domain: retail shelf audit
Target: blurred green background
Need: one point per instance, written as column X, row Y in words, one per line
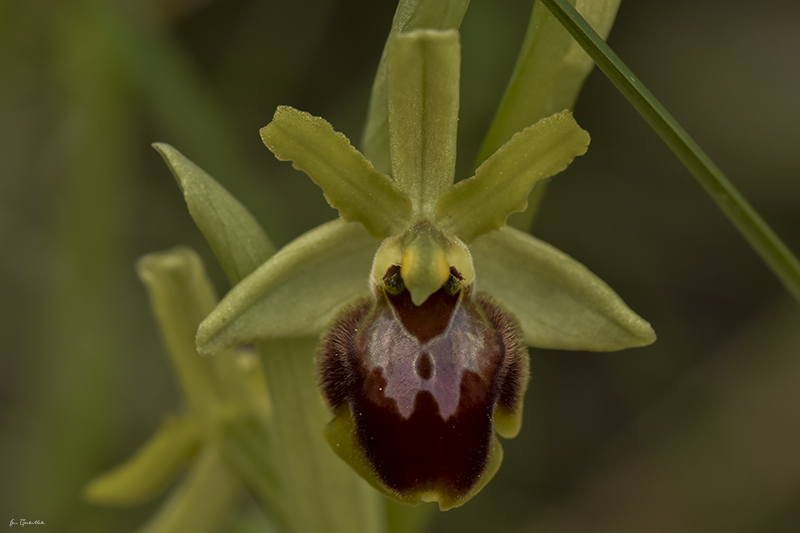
column 699, row 432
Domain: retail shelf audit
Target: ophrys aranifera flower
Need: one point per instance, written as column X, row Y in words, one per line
column 427, row 297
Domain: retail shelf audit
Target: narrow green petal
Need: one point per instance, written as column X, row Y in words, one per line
column 410, row 15
column 181, row 296
column 151, row 469
column 297, row 291
column 549, row 73
column 203, row 502
column 559, row 302
column 547, row 78
column 423, row 76
column 349, row 181
column 501, row 184
column 236, row 238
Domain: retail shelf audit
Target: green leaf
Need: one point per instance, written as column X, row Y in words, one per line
column 236, row 238
column 559, row 302
column 203, row 502
column 738, row 210
column 410, row 15
column 349, row 181
column 423, row 82
column 297, row 291
column 501, row 184
column 151, row 469
column 181, row 296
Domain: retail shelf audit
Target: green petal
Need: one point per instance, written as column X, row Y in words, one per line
column 236, row 238
column 203, row 502
column 148, row 472
column 181, row 296
column 410, row 15
column 423, row 76
column 349, row 181
column 501, row 184
column 549, row 73
column 559, row 302
column 297, row 291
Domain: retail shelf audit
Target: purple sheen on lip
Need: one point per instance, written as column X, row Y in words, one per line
column 422, row 384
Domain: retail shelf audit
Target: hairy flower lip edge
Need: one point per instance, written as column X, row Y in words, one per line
column 340, row 434
column 506, row 407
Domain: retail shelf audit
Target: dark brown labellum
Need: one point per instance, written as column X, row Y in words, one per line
column 422, row 383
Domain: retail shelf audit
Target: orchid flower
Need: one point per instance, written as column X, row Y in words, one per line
column 425, row 297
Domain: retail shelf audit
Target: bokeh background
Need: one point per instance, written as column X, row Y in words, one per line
column 699, row 432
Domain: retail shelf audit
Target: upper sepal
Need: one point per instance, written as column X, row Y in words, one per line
column 423, row 79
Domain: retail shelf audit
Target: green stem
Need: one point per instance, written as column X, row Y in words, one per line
column 746, row 219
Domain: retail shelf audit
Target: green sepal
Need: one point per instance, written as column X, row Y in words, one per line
column 203, row 502
column 236, row 238
column 423, row 83
column 341, row 435
column 410, row 15
column 151, row 469
column 559, row 303
column 296, row 292
column 501, row 184
column 347, row 178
